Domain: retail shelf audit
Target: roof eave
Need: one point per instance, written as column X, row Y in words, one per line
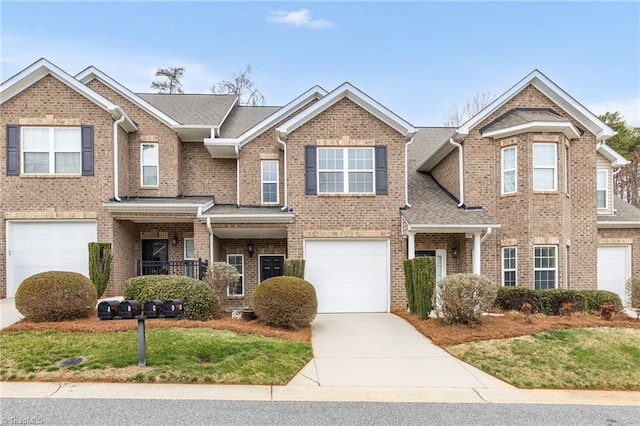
column 568, row 129
column 450, row 229
column 248, row 218
column 124, row 207
column 617, row 224
column 222, row 148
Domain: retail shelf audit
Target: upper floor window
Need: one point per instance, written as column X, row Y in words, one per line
column 269, row 181
column 509, row 169
column 544, row 166
column 236, row 260
column 51, row 150
column 345, row 170
column 149, row 164
column 509, row 266
column 602, row 183
column 545, row 267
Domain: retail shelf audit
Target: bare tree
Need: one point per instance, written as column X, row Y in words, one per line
column 458, row 116
column 242, row 85
column 172, row 84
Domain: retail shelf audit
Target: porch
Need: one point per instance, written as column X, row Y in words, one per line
column 190, row 268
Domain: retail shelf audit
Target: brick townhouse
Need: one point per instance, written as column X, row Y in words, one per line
column 521, row 193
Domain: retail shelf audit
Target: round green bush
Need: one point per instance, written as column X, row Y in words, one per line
column 56, row 296
column 286, row 302
column 462, row 298
column 200, row 301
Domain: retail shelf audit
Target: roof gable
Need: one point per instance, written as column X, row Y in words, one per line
column 346, row 90
column 41, row 68
column 612, row 155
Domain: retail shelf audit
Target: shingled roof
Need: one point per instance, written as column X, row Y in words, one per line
column 242, row 118
column 519, row 116
column 626, row 215
column 199, row 109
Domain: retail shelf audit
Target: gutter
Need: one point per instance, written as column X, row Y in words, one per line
column 406, row 171
column 115, row 154
column 284, row 149
column 484, row 237
column 237, row 149
column 460, row 170
column 210, row 240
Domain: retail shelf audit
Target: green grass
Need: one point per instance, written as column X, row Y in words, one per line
column 587, row 358
column 176, row 355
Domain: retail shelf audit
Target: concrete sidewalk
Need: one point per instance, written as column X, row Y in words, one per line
column 8, row 312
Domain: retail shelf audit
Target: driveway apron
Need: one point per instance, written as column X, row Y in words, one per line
column 382, row 350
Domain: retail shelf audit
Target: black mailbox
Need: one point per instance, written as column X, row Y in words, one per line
column 172, row 308
column 108, row 309
column 153, row 308
column 129, row 309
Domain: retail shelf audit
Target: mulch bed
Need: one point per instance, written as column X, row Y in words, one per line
column 512, row 324
column 225, row 322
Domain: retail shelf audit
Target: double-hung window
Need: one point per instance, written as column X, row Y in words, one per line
column 544, row 166
column 190, row 267
column 509, row 266
column 346, row 170
column 236, row 260
column 269, row 170
column 149, row 164
column 509, row 169
column 545, row 267
column 51, row 150
column 601, row 188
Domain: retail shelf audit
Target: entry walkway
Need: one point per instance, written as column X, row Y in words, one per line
column 383, row 350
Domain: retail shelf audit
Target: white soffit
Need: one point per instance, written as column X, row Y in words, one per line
column 612, row 155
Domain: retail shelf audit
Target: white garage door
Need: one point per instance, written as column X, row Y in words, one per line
column 614, row 269
column 39, row 246
column 349, row 275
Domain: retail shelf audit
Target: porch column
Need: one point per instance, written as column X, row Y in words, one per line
column 476, row 253
column 411, row 245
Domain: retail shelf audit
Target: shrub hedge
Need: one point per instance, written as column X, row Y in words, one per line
column 287, row 302
column 56, row 296
column 462, row 298
column 549, row 302
column 200, row 301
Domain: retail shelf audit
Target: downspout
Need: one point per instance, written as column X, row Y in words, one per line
column 406, row 171
column 460, row 170
column 237, row 176
column 486, row 234
column 284, row 149
column 210, row 239
column 115, row 155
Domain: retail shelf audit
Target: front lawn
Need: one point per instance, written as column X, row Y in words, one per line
column 174, row 355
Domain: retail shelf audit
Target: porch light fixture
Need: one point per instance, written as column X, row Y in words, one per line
column 454, row 252
column 250, row 249
column 174, row 240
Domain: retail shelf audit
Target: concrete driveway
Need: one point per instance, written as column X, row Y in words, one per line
column 382, row 350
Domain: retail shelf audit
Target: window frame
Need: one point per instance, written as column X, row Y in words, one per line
column 346, row 170
column 263, row 181
column 514, row 269
column 504, row 170
column 51, row 151
column 605, row 189
column 143, row 165
column 545, row 269
column 241, row 274
column 554, row 168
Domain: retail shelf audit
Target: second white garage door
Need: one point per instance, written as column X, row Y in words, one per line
column 349, row 275
column 39, row 246
column 614, row 269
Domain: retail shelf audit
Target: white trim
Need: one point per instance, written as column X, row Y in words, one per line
column 514, row 170
column 617, row 224
column 555, row 269
column 346, row 90
column 51, row 151
column 241, row 275
column 250, row 218
column 184, row 248
column 568, row 129
column 156, row 165
column 612, row 155
column 346, row 170
column 515, row 269
column 125, row 207
column 554, row 168
column 263, row 182
column 269, row 255
column 606, row 189
column 450, row 229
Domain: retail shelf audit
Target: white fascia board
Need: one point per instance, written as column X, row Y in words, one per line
column 611, row 224
column 612, row 155
column 553, row 92
column 346, row 90
column 92, row 72
column 194, row 132
column 316, row 92
column 450, row 229
column 566, row 127
column 249, row 218
column 124, row 207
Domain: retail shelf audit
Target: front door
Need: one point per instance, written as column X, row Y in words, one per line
column 270, row 266
column 155, row 257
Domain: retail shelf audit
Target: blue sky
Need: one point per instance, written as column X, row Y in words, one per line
column 418, row 59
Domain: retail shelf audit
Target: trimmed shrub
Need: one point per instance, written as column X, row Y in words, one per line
column 512, row 298
column 220, row 276
column 100, row 265
column 56, row 296
column 287, row 302
column 294, row 268
column 424, row 280
column 464, row 297
column 594, row 299
column 549, row 302
column 200, row 301
column 632, row 290
column 408, row 285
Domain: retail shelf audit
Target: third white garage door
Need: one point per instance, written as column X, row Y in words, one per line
column 349, row 275
column 614, row 269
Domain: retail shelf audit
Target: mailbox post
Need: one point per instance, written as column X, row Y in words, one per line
column 142, row 350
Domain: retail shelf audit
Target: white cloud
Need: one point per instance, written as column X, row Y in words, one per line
column 300, row 18
column 629, row 108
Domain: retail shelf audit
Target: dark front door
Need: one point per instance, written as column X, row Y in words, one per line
column 155, row 257
column 270, row 266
